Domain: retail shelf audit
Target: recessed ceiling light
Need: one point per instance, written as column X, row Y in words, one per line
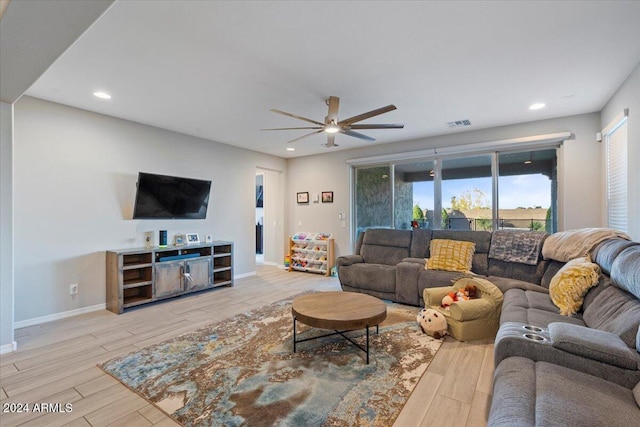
column 537, row 106
column 291, row 149
column 102, row 95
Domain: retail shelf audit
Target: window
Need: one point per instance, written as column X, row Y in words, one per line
column 467, row 193
column 505, row 189
column 527, row 187
column 414, row 199
column 616, row 157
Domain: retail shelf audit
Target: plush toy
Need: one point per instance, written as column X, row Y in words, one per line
column 432, row 323
column 469, row 292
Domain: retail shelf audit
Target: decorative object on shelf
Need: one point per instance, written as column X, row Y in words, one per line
column 193, row 239
column 327, row 197
column 178, row 239
column 303, row 197
column 162, row 239
column 208, row 238
column 311, row 252
column 148, row 239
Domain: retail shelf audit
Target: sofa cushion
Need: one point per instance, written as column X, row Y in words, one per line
column 450, row 255
column 571, row 283
column 528, row 393
column 625, row 271
column 617, row 311
column 523, row 272
column 551, row 268
column 375, row 277
column 606, row 252
column 636, row 393
column 506, row 283
column 532, row 308
column 385, row 246
column 592, row 344
column 420, row 240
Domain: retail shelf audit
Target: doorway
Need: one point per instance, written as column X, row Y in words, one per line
column 259, row 218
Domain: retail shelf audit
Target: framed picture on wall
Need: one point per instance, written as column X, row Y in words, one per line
column 327, row 197
column 303, row 197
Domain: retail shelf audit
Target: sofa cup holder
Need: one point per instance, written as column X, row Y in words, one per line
column 534, row 337
column 533, row 328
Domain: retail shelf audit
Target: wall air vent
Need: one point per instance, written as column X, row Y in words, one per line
column 459, row 123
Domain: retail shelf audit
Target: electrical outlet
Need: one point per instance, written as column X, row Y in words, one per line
column 73, row 289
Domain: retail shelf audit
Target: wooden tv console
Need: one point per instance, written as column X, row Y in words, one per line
column 144, row 275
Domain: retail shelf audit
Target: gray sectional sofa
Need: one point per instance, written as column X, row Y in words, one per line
column 573, row 371
column 551, row 369
column 389, row 264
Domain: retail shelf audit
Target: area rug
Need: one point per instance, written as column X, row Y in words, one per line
column 242, row 371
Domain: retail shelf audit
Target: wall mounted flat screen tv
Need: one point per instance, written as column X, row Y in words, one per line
column 171, row 197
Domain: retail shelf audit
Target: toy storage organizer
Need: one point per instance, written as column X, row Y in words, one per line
column 311, row 252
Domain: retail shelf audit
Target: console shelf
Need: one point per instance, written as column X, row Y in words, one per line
column 144, row 275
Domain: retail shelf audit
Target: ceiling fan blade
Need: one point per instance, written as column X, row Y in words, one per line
column 331, row 140
column 304, row 136
column 389, row 126
column 296, row 117
column 367, row 115
column 357, row 135
column 305, row 127
column 334, row 104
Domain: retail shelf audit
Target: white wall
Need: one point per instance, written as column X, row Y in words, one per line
column 628, row 96
column 6, row 228
column 75, row 175
column 579, row 175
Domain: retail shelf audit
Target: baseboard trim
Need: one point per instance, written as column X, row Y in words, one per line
column 8, row 348
column 58, row 316
column 243, row 275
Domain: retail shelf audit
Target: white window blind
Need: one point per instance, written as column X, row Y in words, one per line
column 617, row 199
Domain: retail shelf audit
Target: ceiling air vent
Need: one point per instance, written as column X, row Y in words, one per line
column 459, row 123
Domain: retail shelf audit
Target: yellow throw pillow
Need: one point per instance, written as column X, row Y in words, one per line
column 571, row 283
column 451, row 255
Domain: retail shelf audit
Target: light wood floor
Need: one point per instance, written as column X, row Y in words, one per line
column 56, row 361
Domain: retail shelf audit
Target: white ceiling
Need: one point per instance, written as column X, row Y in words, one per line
column 213, row 69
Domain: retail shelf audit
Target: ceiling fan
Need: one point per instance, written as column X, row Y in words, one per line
column 332, row 125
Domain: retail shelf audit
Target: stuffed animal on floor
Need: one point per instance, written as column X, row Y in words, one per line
column 469, row 292
column 432, row 323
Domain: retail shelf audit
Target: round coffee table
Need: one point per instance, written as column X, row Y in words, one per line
column 340, row 311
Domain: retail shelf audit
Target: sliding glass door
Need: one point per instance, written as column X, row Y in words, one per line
column 373, row 198
column 527, row 194
column 516, row 190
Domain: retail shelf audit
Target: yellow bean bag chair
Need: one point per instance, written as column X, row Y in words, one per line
column 475, row 319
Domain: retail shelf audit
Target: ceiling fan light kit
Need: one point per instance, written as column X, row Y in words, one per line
column 332, row 125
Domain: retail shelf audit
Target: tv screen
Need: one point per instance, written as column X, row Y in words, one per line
column 171, row 197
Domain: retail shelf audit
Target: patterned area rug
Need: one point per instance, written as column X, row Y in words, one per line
column 242, row 371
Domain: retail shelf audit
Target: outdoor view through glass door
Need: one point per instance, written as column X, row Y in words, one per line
column 404, row 195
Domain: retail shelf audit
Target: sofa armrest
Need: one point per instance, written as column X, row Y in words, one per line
column 433, row 296
column 346, row 260
column 407, row 274
column 473, row 309
column 593, row 344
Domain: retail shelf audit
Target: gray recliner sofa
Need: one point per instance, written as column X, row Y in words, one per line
column 390, row 264
column 602, row 339
column 573, row 371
